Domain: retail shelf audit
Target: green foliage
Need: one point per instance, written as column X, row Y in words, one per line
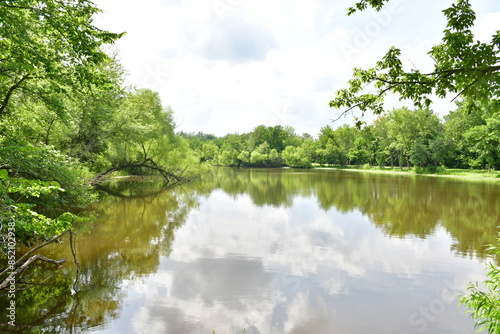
column 463, row 66
column 296, row 157
column 401, row 137
column 46, row 177
column 363, row 4
column 474, row 137
column 275, row 159
column 276, row 137
column 228, row 158
column 47, row 49
column 484, row 304
column 28, row 223
column 209, row 152
column 258, row 159
column 65, row 116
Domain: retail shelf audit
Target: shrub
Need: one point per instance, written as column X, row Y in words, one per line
column 48, row 165
column 485, row 305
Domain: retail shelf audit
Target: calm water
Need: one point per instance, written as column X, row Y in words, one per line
column 274, row 251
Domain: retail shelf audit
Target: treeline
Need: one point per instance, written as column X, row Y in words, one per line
column 401, row 138
column 67, row 120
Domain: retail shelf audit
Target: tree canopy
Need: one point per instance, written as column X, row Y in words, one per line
column 48, row 48
column 463, row 66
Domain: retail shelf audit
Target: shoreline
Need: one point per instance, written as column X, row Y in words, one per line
column 459, row 174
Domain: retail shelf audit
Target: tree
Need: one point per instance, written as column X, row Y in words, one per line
column 463, row 66
column 296, row 157
column 326, row 146
column 484, row 141
column 244, row 158
column 419, row 154
column 209, row 152
column 275, row 159
column 96, row 118
column 259, row 157
column 144, row 142
column 276, row 137
column 49, row 48
column 406, row 128
column 228, row 157
column 345, row 136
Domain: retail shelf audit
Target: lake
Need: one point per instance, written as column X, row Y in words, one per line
column 273, row 251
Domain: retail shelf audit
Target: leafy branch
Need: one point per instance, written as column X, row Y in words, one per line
column 463, row 67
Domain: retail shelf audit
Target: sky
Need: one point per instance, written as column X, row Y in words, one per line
column 227, row 66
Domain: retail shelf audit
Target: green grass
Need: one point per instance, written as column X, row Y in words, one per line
column 465, row 174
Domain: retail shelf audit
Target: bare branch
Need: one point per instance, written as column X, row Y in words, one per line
column 25, row 265
column 463, row 91
column 34, row 250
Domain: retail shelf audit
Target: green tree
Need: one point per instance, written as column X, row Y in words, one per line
column 48, row 49
column 406, row 128
column 209, row 152
column 228, row 157
column 259, row 157
column 244, row 158
column 365, row 147
column 326, row 146
column 345, row 137
column 96, row 119
column 484, row 143
column 456, row 124
column 277, row 137
column 484, row 303
column 275, row 159
column 419, row 154
column 462, row 66
column 296, row 157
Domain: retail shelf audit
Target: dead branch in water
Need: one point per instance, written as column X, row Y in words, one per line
column 20, row 265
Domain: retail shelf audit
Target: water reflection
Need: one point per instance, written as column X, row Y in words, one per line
column 124, row 245
column 273, row 251
column 297, row 270
column 399, row 205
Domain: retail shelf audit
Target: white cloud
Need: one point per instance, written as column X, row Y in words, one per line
column 256, row 62
column 487, row 27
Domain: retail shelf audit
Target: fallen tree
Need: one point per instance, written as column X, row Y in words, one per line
column 171, row 178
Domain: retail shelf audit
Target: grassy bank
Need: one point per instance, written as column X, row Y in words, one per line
column 465, row 174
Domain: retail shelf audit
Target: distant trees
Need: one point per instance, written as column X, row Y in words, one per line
column 263, row 147
column 400, row 138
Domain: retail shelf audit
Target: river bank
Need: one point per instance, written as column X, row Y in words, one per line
column 462, row 174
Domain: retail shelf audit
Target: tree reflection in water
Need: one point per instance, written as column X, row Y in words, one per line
column 125, row 244
column 132, row 234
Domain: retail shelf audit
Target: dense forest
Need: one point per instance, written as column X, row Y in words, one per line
column 400, row 138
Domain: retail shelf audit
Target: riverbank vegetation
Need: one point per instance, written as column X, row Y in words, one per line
column 67, row 121
column 400, row 139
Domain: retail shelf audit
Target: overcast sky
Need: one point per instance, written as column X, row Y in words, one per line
column 227, row 66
